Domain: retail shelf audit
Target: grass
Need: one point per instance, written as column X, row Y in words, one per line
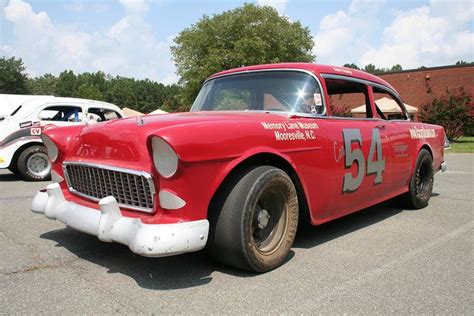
column 464, row 144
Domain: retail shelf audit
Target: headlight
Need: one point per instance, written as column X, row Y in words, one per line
column 164, row 157
column 51, row 147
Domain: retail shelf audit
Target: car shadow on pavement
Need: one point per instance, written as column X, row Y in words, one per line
column 309, row 236
column 9, row 177
column 195, row 269
column 166, row 273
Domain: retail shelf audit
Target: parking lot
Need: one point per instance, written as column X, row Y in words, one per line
column 381, row 260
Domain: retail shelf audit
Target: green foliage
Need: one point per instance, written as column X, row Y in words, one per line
column 13, row 80
column 396, row 67
column 247, row 35
column 343, row 110
column 352, row 65
column 453, row 111
column 89, row 91
column 463, row 144
column 462, row 62
column 66, row 86
column 141, row 95
column 370, row 68
column 45, row 84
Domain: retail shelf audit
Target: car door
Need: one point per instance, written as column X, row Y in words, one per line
column 355, row 161
column 392, row 113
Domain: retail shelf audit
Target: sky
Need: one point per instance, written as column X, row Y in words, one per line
column 132, row 38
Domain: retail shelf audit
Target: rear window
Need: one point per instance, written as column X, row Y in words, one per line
column 102, row 115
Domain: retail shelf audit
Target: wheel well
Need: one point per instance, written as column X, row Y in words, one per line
column 425, row 146
column 258, row 160
column 21, row 149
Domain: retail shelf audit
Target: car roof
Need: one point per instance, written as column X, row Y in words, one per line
column 317, row 69
column 9, row 102
column 29, row 106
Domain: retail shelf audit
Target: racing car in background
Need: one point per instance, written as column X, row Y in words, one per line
column 262, row 147
column 23, row 118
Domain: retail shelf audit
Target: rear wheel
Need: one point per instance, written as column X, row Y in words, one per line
column 421, row 182
column 33, row 164
column 255, row 225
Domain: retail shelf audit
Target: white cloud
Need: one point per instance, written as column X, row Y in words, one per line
column 342, row 35
column 135, row 6
column 424, row 36
column 436, row 34
column 279, row 5
column 127, row 48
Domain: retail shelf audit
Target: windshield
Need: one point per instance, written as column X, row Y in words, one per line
column 286, row 91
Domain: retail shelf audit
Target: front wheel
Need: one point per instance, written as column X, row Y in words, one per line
column 255, row 225
column 421, row 182
column 33, row 164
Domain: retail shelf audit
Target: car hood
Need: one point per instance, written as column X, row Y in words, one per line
column 126, row 140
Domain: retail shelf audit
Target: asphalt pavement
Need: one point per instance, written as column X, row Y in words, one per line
column 378, row 261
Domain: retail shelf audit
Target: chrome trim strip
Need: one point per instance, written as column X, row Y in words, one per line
column 144, row 174
column 280, row 69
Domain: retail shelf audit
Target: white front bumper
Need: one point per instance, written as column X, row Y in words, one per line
column 150, row 240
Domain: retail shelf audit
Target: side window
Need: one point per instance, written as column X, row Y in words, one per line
column 389, row 108
column 348, row 98
column 101, row 115
column 61, row 113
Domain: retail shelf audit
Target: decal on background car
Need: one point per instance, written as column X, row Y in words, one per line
column 26, row 124
column 36, row 131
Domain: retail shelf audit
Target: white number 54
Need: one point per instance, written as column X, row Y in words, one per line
column 376, row 167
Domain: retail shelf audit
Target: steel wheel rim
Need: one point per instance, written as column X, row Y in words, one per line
column 38, row 164
column 269, row 238
column 422, row 180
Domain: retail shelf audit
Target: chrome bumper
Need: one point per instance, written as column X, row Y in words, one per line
column 108, row 224
column 444, row 166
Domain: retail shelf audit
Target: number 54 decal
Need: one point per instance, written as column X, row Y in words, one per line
column 376, row 166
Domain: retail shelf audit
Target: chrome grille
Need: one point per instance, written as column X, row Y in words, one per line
column 132, row 189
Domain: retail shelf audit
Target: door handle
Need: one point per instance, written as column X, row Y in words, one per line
column 380, row 126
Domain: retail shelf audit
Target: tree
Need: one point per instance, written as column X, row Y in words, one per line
column 46, row 85
column 66, row 86
column 246, row 35
column 12, row 77
column 89, row 91
column 396, row 67
column 352, row 65
column 370, row 68
column 453, row 111
column 463, row 62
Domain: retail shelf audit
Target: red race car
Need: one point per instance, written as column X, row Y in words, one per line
column 261, row 147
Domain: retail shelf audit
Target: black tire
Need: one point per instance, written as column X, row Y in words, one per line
column 254, row 224
column 13, row 169
column 31, row 170
column 421, row 182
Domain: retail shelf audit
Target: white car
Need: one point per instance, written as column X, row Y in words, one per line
column 23, row 118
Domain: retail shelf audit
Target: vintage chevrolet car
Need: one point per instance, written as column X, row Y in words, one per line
column 262, row 147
